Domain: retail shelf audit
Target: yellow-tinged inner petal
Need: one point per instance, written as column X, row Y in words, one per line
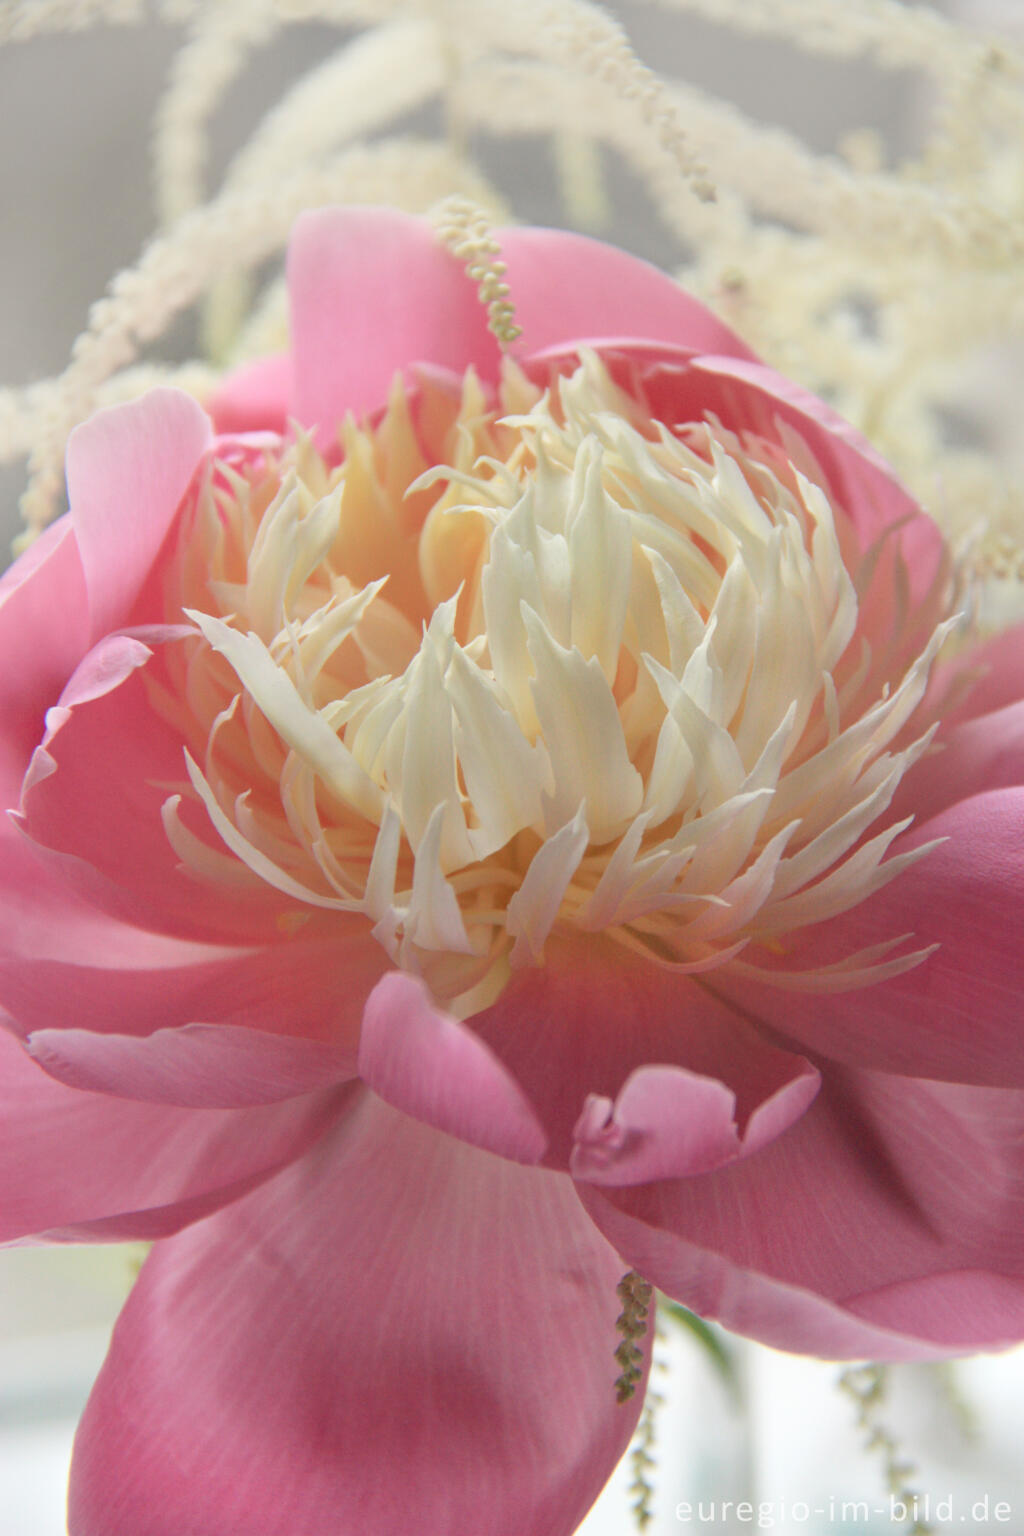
column 540, row 662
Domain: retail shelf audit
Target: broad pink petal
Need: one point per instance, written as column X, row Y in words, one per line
column 577, row 1027
column 80, row 1167
column 105, row 667
column 44, row 624
column 956, row 1016
column 891, row 1199
column 242, row 1027
column 104, row 828
column 40, row 912
column 255, row 397
column 424, row 1062
column 42, row 916
column 38, row 553
column 567, row 288
column 128, row 468
column 398, row 1328
column 373, row 292
column 748, row 1303
column 309, row 988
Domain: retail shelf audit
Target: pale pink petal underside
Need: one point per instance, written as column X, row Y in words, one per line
column 206, row 1066
column 228, row 1028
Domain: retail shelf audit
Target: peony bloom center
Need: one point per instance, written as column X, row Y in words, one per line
column 544, row 663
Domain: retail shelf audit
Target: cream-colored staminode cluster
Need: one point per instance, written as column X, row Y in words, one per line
column 590, row 677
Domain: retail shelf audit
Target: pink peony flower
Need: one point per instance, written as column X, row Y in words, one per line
column 452, row 868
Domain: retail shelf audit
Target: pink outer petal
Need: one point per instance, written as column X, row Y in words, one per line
column 372, row 292
column 248, row 1027
column 568, row 288
column 891, row 1200
column 80, row 1167
column 105, row 667
column 577, row 1027
column 39, row 652
column 104, row 828
column 40, row 915
column 254, row 398
column 128, row 468
column 957, row 1016
column 38, row 909
column 398, row 1329
column 994, row 1304
column 427, row 1064
column 783, row 1316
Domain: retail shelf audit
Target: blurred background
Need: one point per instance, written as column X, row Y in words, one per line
column 76, row 186
column 75, row 189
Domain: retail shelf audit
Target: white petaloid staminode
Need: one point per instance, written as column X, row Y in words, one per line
column 605, row 679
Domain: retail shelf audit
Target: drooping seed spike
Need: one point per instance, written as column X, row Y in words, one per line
column 464, row 228
column 636, row 1295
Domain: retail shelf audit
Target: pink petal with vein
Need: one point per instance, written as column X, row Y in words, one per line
column 427, row 1064
column 999, row 665
column 208, row 1066
column 783, row 1316
column 81, row 1167
column 243, row 1027
column 104, row 829
column 957, row 1015
column 41, row 915
column 306, row 988
column 983, row 753
column 400, row 1327
column 581, row 1024
column 887, row 1191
